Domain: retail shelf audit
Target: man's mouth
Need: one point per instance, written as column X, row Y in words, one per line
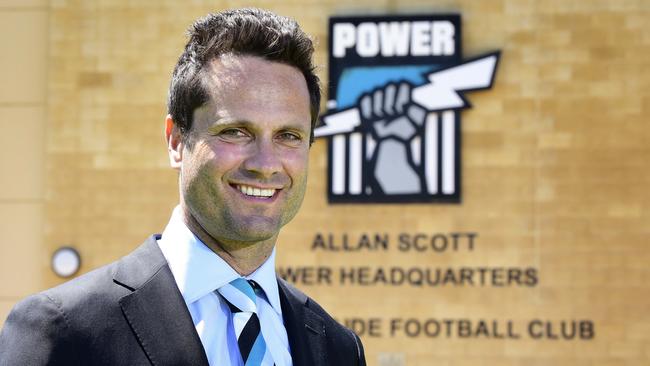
column 255, row 191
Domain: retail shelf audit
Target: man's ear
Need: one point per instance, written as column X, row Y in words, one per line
column 174, row 143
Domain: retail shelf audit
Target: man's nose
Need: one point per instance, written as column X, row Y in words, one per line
column 263, row 160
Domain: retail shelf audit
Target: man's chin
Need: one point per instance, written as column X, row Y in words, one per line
column 257, row 229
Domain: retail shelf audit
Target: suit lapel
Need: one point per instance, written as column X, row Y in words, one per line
column 156, row 310
column 305, row 329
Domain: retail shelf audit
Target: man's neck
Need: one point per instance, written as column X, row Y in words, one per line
column 243, row 257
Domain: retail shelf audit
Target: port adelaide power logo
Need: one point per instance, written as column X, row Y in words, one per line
column 396, row 90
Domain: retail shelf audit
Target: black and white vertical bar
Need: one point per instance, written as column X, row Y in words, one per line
column 347, row 153
column 440, row 130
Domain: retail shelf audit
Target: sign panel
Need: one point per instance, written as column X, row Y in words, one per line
column 396, row 87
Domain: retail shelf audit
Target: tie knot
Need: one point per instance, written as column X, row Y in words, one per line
column 241, row 294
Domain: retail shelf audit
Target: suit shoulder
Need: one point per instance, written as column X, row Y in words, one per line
column 36, row 332
column 91, row 286
column 94, row 289
column 92, row 299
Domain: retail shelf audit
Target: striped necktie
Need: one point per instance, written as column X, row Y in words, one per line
column 241, row 296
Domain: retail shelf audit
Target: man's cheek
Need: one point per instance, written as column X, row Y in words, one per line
column 226, row 156
column 298, row 161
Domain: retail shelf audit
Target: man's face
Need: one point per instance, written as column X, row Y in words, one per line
column 244, row 170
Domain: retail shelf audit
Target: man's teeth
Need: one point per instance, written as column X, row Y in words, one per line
column 256, row 192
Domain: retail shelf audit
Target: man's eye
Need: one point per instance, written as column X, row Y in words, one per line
column 289, row 136
column 233, row 133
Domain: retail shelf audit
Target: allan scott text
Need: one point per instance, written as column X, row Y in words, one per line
column 403, row 242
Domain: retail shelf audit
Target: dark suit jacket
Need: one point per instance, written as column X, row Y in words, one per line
column 131, row 312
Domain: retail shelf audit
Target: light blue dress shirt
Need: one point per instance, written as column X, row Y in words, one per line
column 199, row 272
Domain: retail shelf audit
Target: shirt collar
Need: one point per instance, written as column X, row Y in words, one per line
column 198, row 270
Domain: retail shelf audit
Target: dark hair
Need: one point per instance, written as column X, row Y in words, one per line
column 250, row 31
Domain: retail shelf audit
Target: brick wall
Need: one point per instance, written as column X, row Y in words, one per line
column 555, row 170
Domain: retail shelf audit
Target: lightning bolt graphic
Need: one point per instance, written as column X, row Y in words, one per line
column 443, row 92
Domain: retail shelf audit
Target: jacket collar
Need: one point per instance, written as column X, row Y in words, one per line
column 199, row 271
column 155, row 309
column 305, row 328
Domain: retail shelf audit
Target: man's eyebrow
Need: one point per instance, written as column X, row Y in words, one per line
column 225, row 121
column 220, row 123
column 295, row 127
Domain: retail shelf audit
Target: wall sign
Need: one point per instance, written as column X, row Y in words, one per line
column 396, row 86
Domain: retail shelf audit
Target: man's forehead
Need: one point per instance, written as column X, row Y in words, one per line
column 239, row 86
column 223, row 71
column 231, row 69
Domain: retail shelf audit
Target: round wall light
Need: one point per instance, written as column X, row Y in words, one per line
column 66, row 262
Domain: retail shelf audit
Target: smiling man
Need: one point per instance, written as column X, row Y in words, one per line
column 243, row 103
column 244, row 161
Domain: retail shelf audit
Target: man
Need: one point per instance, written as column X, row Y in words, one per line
column 243, row 103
